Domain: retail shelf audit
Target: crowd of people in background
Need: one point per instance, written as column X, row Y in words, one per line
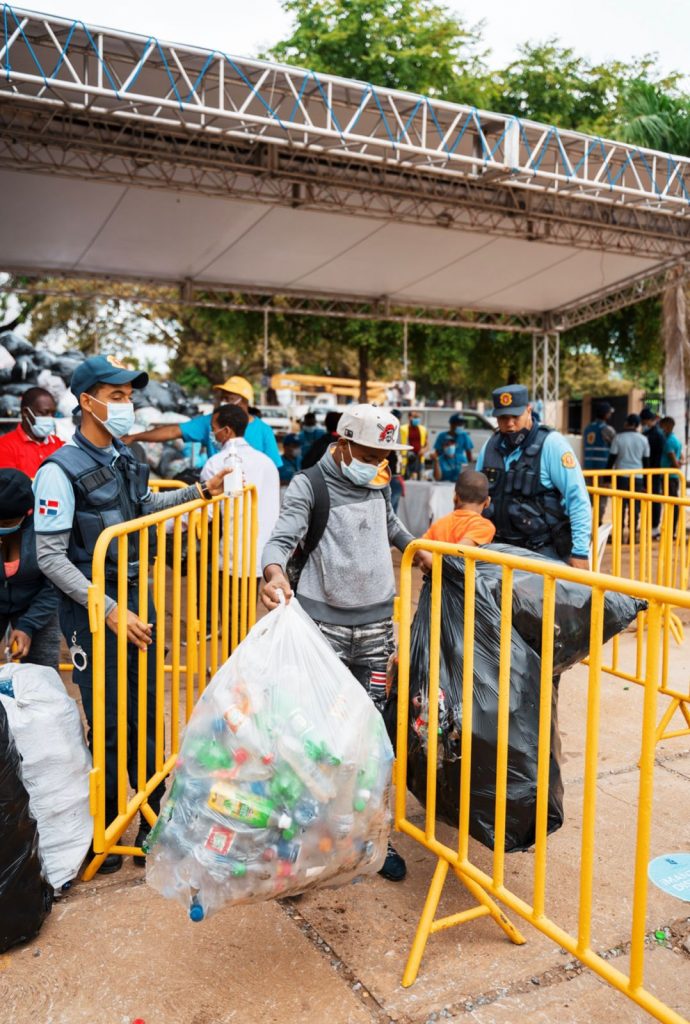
column 524, row 488
column 647, row 441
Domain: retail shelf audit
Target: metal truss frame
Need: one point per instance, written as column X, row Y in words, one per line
column 546, row 371
column 58, row 63
column 241, row 299
column 82, row 145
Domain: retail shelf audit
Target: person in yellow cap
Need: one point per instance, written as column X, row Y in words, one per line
column 234, row 391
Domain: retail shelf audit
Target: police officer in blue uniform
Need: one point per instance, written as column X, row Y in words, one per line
column 597, row 438
column 90, row 483
column 538, row 494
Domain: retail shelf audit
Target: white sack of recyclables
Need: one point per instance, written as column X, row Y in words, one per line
column 7, row 361
column 56, row 762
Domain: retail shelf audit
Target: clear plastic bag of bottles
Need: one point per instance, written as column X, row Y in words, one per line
column 282, row 783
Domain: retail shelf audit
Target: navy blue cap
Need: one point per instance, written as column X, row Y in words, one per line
column 457, row 419
column 512, row 400
column 292, row 439
column 105, row 370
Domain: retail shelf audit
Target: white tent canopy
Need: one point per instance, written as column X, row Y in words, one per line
column 261, row 186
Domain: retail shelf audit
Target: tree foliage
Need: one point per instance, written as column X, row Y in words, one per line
column 415, row 45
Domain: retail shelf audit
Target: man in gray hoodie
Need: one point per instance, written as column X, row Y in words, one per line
column 347, row 583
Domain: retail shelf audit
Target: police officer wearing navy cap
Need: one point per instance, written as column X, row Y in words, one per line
column 538, row 494
column 90, row 483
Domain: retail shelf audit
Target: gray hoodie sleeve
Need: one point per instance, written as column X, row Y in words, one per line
column 398, row 535
column 167, row 499
column 51, row 552
column 293, row 523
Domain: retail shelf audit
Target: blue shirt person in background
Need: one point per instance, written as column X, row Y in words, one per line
column 234, row 391
column 292, row 458
column 459, row 436
column 449, row 460
column 310, row 432
column 672, row 455
column 538, row 493
column 672, row 458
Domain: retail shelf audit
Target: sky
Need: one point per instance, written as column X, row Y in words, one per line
column 597, row 29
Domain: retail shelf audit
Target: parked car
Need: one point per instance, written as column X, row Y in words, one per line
column 276, row 417
column 478, row 426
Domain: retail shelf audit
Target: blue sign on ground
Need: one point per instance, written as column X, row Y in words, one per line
column 671, row 873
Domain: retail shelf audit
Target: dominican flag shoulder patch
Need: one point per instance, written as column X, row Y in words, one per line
column 48, row 506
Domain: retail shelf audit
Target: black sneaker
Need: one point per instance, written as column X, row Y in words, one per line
column 144, row 829
column 111, row 864
column 394, row 868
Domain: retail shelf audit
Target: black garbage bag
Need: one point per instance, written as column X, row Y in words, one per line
column 15, row 344
column 572, row 610
column 523, row 730
column 571, row 644
column 64, row 366
column 25, row 895
column 9, row 405
column 25, row 369
column 157, row 393
column 43, row 359
column 17, row 387
column 5, row 375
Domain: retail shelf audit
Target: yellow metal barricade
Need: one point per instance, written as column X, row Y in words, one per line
column 197, row 579
column 165, row 485
column 656, row 481
column 639, row 552
column 492, row 888
column 156, row 486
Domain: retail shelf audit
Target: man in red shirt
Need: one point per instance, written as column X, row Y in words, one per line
column 34, row 439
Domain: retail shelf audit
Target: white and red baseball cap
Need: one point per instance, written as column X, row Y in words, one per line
column 371, row 427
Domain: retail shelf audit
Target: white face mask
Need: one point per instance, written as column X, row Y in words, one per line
column 358, row 472
column 120, row 418
column 41, row 426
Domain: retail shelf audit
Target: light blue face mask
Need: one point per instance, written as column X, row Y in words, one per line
column 5, row 530
column 120, row 418
column 358, row 472
column 41, row 426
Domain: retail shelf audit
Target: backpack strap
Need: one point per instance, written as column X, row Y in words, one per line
column 320, row 510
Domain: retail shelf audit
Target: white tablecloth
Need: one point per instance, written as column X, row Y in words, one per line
column 423, row 502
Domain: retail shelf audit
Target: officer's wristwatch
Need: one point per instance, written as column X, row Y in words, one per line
column 204, row 491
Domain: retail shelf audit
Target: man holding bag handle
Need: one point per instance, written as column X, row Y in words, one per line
column 347, row 583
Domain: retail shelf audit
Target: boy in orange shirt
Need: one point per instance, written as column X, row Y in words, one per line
column 466, row 525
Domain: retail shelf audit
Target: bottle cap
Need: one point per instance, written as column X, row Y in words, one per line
column 196, row 912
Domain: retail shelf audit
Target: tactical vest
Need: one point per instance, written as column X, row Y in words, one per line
column 104, row 496
column 596, row 450
column 525, row 512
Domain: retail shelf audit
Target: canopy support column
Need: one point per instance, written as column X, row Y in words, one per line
column 545, row 375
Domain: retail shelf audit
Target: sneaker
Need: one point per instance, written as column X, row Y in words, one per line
column 656, row 532
column 394, row 868
column 111, row 864
column 144, row 829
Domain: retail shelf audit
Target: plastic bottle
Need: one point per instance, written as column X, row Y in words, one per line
column 340, row 811
column 233, row 801
column 318, row 782
column 233, row 483
column 305, row 812
column 248, row 736
column 211, row 756
column 286, row 787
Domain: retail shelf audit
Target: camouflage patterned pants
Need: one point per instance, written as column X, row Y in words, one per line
column 365, row 650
